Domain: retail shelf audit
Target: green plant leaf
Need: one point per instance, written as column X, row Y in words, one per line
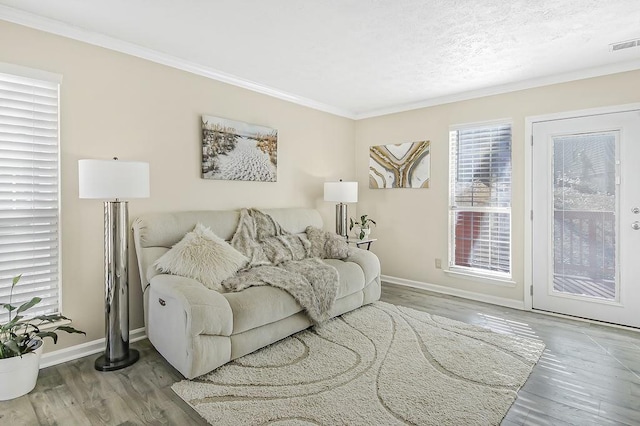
column 15, row 281
column 25, row 306
column 50, row 318
column 43, row 334
column 21, row 334
column 28, row 324
column 12, row 346
column 26, row 350
column 15, row 322
column 70, row 329
column 8, row 307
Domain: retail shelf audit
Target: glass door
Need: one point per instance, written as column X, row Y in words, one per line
column 584, row 219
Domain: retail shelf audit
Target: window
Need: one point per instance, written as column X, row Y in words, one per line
column 29, row 207
column 480, row 200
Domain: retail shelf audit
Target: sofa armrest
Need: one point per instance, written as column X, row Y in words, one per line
column 368, row 261
column 207, row 311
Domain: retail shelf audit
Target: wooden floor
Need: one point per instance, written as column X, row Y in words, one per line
column 588, row 375
column 74, row 393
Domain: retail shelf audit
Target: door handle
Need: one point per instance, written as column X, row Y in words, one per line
column 635, row 225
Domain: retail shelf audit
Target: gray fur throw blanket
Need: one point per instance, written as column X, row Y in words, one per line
column 281, row 259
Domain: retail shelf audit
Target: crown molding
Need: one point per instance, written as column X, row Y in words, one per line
column 507, row 88
column 31, row 20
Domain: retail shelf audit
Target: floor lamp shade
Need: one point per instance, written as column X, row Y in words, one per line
column 114, row 180
column 341, row 192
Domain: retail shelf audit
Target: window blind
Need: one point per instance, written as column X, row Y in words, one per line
column 480, row 198
column 29, row 207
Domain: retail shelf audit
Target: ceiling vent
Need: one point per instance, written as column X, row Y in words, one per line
column 624, row 45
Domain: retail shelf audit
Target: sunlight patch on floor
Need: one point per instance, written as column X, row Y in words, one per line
column 503, row 325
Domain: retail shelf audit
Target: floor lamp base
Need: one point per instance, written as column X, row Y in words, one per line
column 117, row 354
column 103, row 365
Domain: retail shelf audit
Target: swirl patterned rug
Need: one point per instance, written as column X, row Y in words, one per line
column 380, row 364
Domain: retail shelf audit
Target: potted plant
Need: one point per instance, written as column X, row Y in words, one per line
column 363, row 226
column 21, row 345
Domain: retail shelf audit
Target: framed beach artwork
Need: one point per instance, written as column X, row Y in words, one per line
column 403, row 165
column 233, row 150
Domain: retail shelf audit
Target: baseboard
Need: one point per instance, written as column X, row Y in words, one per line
column 78, row 351
column 479, row 297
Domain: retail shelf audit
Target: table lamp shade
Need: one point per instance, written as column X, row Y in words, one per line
column 341, row 192
column 111, row 179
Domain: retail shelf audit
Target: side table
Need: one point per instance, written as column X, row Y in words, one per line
column 359, row 242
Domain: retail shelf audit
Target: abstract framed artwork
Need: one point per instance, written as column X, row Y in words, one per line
column 404, row 165
column 233, row 150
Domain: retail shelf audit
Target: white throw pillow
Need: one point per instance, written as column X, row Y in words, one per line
column 203, row 256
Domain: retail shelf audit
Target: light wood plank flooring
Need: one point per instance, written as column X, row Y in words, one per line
column 588, row 375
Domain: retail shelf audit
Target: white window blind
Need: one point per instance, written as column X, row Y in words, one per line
column 480, row 199
column 29, row 207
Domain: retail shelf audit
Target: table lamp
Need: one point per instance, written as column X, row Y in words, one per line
column 341, row 192
column 114, row 180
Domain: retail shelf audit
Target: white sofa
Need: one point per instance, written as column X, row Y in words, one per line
column 197, row 329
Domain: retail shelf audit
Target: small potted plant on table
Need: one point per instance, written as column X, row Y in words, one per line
column 363, row 226
column 21, row 345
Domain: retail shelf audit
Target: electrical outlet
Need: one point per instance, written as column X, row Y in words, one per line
column 438, row 263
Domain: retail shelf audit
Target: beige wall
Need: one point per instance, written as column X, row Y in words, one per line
column 412, row 223
column 118, row 105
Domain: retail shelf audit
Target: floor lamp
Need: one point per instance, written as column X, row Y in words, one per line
column 115, row 180
column 341, row 192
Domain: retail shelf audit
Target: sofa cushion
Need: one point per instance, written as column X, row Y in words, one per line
column 350, row 275
column 203, row 256
column 260, row 305
column 368, row 262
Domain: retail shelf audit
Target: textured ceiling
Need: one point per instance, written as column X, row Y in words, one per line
column 363, row 56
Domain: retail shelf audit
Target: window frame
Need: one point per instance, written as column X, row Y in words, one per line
column 54, row 79
column 478, row 274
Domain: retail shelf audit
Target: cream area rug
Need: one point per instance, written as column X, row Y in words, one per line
column 378, row 365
